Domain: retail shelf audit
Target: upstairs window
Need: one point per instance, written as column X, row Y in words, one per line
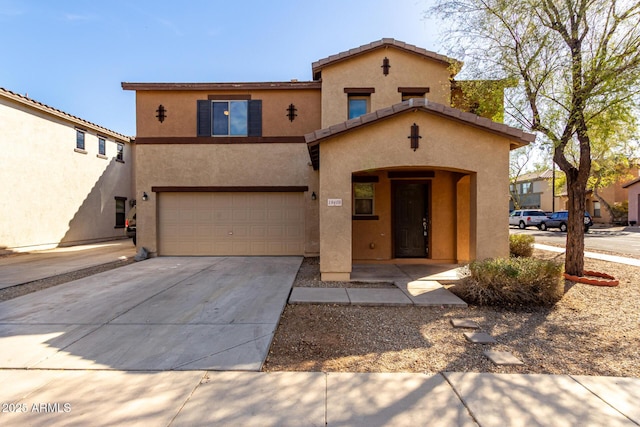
column 413, row 92
column 120, row 154
column 230, row 118
column 358, row 106
column 358, row 101
column 102, row 148
column 79, row 139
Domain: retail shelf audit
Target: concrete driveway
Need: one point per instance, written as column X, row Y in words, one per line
column 161, row 314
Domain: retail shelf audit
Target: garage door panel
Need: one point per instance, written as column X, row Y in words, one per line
column 231, row 224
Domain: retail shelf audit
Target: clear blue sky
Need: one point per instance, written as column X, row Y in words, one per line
column 73, row 54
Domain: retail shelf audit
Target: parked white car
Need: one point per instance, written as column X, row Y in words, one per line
column 524, row 218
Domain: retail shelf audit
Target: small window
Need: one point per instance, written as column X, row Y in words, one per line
column 413, row 92
column 526, row 187
column 120, row 214
column 358, row 105
column 363, row 199
column 79, row 139
column 596, row 210
column 102, row 149
column 408, row 95
column 120, row 155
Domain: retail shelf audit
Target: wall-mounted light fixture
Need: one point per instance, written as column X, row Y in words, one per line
column 385, row 66
column 291, row 112
column 313, row 196
column 415, row 136
column 162, row 113
column 145, row 196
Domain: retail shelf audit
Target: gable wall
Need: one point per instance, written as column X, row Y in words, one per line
column 445, row 145
column 407, row 70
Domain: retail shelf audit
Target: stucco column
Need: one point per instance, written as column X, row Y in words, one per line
column 491, row 219
column 335, row 221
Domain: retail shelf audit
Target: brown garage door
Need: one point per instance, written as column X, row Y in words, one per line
column 231, row 223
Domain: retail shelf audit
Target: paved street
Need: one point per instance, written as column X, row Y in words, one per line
column 618, row 240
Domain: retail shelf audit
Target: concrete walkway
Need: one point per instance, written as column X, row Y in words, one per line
column 205, row 398
column 416, row 285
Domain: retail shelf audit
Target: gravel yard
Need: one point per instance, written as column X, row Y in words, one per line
column 591, row 331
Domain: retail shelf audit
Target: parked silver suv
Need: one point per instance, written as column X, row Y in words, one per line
column 524, row 218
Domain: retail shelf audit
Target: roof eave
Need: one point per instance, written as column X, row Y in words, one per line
column 317, row 66
column 293, row 85
column 76, row 121
column 517, row 137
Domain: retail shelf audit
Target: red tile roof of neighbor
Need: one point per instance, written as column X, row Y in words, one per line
column 7, row 94
column 518, row 136
column 386, row 42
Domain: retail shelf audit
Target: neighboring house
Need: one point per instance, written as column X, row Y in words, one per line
column 366, row 163
column 533, row 191
column 65, row 180
column 633, row 195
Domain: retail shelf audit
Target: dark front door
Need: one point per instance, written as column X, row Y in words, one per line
column 410, row 220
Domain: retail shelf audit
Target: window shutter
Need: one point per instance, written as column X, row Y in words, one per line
column 255, row 118
column 204, row 118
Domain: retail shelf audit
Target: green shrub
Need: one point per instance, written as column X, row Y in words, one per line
column 512, row 281
column 521, row 245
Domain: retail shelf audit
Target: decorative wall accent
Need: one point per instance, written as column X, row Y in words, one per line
column 415, row 136
column 291, row 112
column 162, row 113
column 385, row 66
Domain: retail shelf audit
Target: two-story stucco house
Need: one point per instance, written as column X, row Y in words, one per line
column 368, row 162
column 65, row 180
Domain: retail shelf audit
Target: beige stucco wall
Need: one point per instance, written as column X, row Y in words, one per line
column 198, row 165
column 446, row 145
column 51, row 194
column 181, row 107
column 407, row 70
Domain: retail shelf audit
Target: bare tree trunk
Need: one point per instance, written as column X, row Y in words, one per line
column 574, row 261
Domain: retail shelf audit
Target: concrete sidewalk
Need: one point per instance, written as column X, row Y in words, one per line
column 205, row 398
column 594, row 255
column 27, row 267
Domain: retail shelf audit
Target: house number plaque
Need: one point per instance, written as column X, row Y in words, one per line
column 334, row 202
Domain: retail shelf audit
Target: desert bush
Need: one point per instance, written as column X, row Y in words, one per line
column 521, row 245
column 512, row 282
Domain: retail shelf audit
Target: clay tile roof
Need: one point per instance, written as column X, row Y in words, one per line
column 32, row 103
column 318, row 65
column 518, row 136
